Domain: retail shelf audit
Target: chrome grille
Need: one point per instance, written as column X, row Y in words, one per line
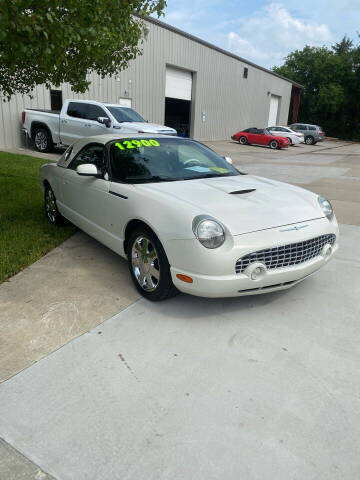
column 286, row 255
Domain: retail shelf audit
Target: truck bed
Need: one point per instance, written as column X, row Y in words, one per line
column 55, row 112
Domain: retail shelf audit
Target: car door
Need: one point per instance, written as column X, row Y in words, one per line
column 73, row 122
column 253, row 136
column 85, row 198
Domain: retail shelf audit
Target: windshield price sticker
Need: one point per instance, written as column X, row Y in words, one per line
column 126, row 144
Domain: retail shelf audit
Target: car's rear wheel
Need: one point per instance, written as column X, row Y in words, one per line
column 274, row 144
column 51, row 210
column 243, row 140
column 149, row 266
column 290, row 141
column 309, row 140
column 42, row 140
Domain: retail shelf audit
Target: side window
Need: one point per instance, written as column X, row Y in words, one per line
column 302, row 127
column 273, row 128
column 77, row 110
column 94, row 154
column 253, row 130
column 68, row 153
column 311, row 128
column 94, row 112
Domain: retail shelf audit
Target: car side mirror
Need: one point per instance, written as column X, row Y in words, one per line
column 105, row 121
column 229, row 160
column 87, row 170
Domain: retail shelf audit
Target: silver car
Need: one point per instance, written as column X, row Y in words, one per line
column 312, row 133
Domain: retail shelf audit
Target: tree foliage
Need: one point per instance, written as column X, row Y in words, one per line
column 331, row 80
column 54, row 41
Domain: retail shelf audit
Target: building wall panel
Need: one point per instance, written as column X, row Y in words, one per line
column 229, row 101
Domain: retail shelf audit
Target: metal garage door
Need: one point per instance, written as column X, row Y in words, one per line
column 274, row 107
column 178, row 83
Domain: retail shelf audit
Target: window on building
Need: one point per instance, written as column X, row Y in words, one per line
column 56, row 100
column 246, row 71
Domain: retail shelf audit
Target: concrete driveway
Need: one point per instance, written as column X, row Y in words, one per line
column 253, row 387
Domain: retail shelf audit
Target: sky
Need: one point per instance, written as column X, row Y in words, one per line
column 264, row 32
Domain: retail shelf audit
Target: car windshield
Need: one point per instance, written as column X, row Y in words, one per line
column 145, row 160
column 125, row 114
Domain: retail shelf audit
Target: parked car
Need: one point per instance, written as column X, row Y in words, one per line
column 260, row 136
column 293, row 137
column 83, row 118
column 312, row 133
column 186, row 219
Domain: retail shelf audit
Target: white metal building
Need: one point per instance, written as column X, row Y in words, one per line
column 181, row 81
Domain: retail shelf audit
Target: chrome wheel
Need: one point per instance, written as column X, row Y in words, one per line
column 41, row 141
column 145, row 264
column 309, row 140
column 50, row 205
column 242, row 140
column 273, row 144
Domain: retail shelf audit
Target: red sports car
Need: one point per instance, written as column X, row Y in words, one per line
column 260, row 136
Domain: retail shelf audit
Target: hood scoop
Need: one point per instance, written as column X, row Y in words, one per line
column 240, row 192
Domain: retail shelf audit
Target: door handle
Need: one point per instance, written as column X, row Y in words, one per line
column 63, row 121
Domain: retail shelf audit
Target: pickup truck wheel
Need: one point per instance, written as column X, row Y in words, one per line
column 149, row 266
column 51, row 210
column 43, row 141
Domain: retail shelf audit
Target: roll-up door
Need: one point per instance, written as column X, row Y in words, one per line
column 274, row 107
column 178, row 83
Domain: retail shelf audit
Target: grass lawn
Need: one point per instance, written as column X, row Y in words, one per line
column 25, row 233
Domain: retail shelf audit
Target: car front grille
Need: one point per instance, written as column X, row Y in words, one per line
column 286, row 255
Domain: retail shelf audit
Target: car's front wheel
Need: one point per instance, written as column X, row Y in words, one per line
column 51, row 210
column 149, row 266
column 243, row 140
column 274, row 144
column 290, row 141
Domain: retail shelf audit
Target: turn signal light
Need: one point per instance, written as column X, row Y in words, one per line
column 184, row 278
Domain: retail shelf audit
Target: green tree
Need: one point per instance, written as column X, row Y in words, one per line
column 331, row 80
column 54, row 41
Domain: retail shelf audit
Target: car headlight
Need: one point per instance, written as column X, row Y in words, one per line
column 326, row 207
column 209, row 232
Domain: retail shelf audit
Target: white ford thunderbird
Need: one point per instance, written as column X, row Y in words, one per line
column 186, row 219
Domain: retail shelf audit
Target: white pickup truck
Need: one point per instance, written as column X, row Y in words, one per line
column 83, row 118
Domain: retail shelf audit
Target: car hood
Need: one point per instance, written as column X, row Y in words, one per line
column 259, row 204
column 149, row 127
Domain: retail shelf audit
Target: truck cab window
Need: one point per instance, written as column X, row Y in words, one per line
column 78, row 110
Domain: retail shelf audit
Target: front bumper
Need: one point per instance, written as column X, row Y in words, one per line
column 222, row 281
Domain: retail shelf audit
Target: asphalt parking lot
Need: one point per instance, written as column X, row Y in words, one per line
column 97, row 384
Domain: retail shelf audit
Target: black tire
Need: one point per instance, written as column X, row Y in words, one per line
column 290, row 141
column 51, row 210
column 243, row 140
column 42, row 140
column 155, row 287
column 309, row 140
column 274, row 144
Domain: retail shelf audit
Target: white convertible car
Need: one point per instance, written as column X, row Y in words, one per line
column 186, row 219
